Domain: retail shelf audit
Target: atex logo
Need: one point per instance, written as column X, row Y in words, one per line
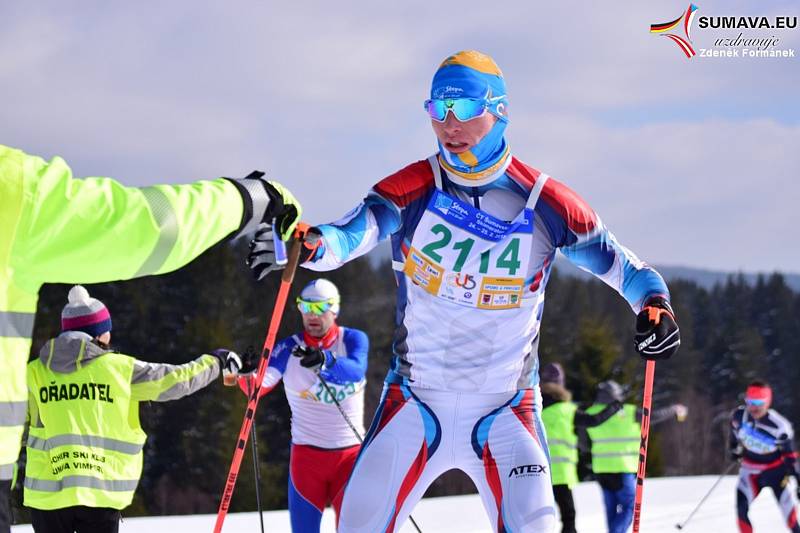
column 678, row 30
column 528, row 470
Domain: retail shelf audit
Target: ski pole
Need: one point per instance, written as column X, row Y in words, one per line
column 256, row 469
column 714, row 486
column 355, row 431
column 649, row 373
column 341, row 410
column 252, row 402
column 258, row 475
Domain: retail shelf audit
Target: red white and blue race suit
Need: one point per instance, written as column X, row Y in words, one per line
column 324, row 447
column 768, row 460
column 472, row 259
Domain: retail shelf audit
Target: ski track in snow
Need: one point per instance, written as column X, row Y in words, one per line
column 667, row 502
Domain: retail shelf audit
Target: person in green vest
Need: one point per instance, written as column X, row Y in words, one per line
column 561, row 417
column 615, row 451
column 85, row 443
column 56, row 229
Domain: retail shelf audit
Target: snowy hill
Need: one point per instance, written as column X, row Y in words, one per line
column 667, row 501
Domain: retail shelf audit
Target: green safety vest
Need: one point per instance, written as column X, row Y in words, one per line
column 559, row 422
column 615, row 442
column 85, row 442
column 56, row 229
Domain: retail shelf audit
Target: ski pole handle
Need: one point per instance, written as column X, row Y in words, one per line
column 293, row 259
column 280, row 247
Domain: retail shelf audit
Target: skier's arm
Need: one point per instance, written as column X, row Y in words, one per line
column 733, row 440
column 789, row 454
column 272, row 377
column 96, row 229
column 355, row 234
column 584, row 419
column 353, row 367
column 658, row 416
column 374, row 220
column 583, row 239
column 163, row 382
column 277, row 366
column 734, row 448
column 274, row 372
column 580, row 234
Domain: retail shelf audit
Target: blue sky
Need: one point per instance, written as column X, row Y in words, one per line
column 689, row 162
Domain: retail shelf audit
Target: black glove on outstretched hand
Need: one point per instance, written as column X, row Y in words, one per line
column 310, row 358
column 229, row 361
column 657, row 334
column 261, row 258
column 267, row 201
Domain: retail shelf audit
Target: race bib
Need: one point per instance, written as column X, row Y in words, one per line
column 467, row 256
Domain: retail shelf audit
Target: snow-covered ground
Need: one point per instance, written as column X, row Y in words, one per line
column 667, row 501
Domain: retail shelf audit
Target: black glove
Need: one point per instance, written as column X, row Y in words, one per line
column 735, row 454
column 267, row 201
column 229, row 361
column 657, row 334
column 250, row 360
column 310, row 358
column 261, row 258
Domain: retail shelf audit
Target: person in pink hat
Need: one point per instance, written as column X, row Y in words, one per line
column 85, row 443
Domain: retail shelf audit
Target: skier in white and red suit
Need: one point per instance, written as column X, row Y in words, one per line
column 474, row 232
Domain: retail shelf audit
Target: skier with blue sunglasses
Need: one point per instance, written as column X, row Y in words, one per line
column 474, row 232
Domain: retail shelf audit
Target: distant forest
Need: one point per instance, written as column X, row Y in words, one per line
column 731, row 333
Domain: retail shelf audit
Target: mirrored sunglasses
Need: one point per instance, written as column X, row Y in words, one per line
column 755, row 401
column 317, row 308
column 464, row 109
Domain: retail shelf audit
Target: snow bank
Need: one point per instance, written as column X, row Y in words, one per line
column 667, row 501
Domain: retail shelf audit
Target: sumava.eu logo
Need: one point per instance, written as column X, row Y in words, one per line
column 678, row 30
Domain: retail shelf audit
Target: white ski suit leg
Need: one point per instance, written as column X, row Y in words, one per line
column 418, row 434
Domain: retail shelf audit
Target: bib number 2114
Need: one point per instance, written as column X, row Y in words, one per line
column 508, row 258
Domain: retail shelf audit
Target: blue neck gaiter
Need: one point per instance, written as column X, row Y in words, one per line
column 489, row 153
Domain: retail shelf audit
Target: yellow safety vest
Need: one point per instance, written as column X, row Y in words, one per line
column 559, row 422
column 85, row 442
column 615, row 442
